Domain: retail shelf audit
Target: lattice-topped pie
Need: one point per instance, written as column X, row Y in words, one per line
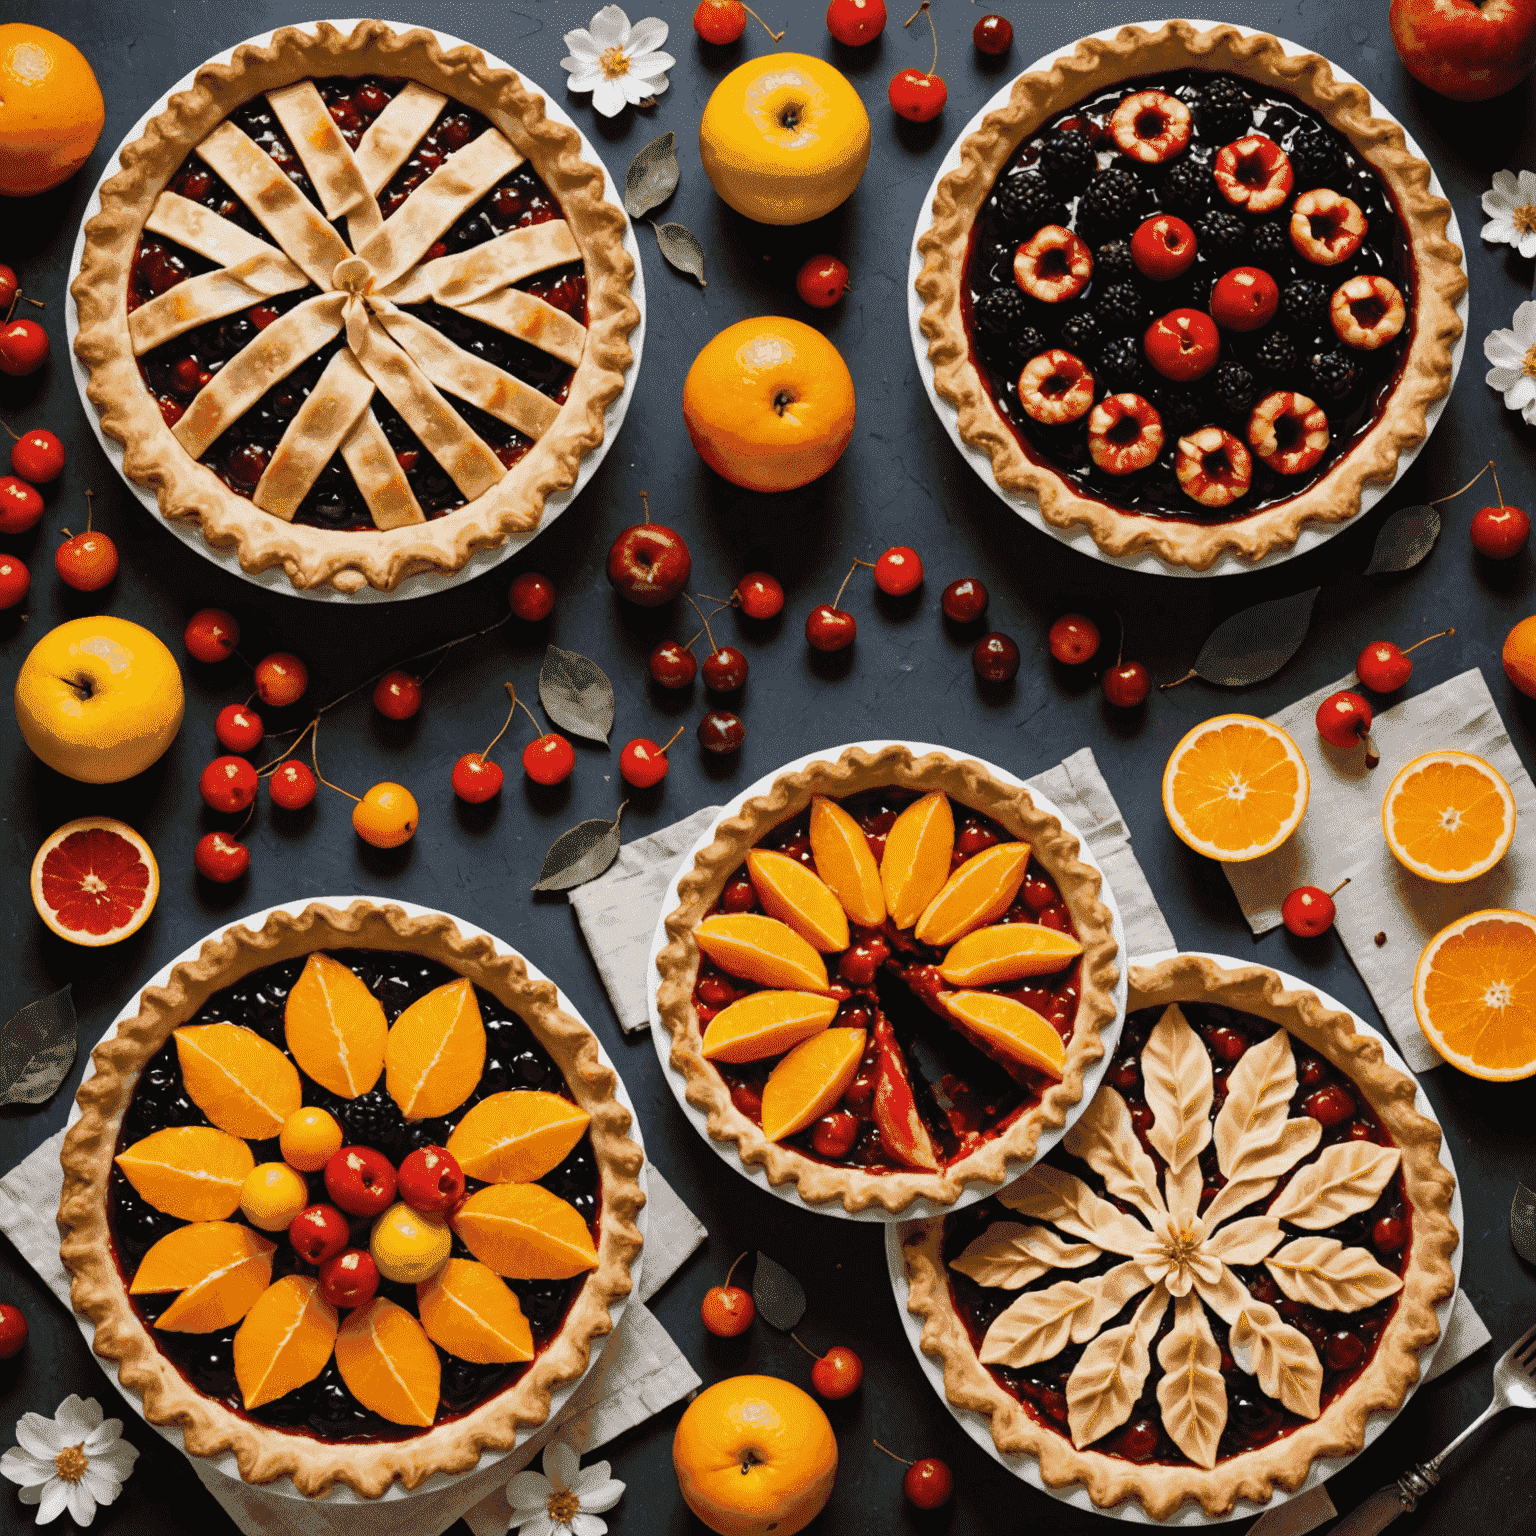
column 356, row 305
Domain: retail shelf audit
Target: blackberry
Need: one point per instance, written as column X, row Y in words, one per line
column 1315, row 159
column 1068, row 162
column 1276, row 354
column 1235, row 389
column 374, row 1120
column 1112, row 262
column 1225, row 110
column 1188, row 187
column 1003, row 312
column 1270, row 240
column 1110, row 202
column 1303, row 304
column 1119, row 307
column 1330, row 376
column 1222, row 236
column 1025, row 203
column 1081, row 335
column 1120, row 364
column 1182, row 410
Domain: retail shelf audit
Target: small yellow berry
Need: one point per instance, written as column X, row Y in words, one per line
column 309, row 1139
column 408, row 1246
column 272, row 1195
column 386, row 816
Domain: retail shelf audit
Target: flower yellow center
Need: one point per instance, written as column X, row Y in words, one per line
column 72, row 1462
column 1528, row 366
column 1524, row 219
column 615, row 62
column 564, row 1505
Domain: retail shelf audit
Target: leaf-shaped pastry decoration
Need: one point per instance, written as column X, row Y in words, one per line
column 1009, row 1255
column 1040, row 1324
column 779, row 1297
column 1105, row 1383
column 435, row 1053
column 1254, row 1139
column 37, row 1049
column 1191, row 1394
column 1282, row 1357
column 580, row 855
column 1062, row 1199
column 652, row 176
column 1233, row 1197
column 1246, row 1241
column 1345, row 1179
column 1102, row 1136
column 1176, row 1079
column 1322, row 1272
column 682, row 249
column 1405, row 539
column 1255, row 643
column 576, row 694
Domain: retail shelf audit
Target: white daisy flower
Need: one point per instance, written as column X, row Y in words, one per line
column 1511, row 209
column 1513, row 355
column 565, row 1500
column 620, row 64
column 73, row 1461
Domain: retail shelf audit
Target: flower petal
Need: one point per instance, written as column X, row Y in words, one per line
column 539, row 1523
column 560, row 1463
column 529, row 1490
column 647, row 34
column 584, row 77
column 1501, row 347
column 651, row 64
column 117, row 1460
column 610, row 27
column 1506, row 184
column 608, row 98
column 583, row 44
column 1526, row 182
column 1525, row 323
column 1521, row 394
column 590, row 1476
column 588, row 1525
column 1500, row 231
column 100, row 1483
column 103, row 1437
column 602, row 1496
column 51, row 1505
column 634, row 91
column 1526, row 244
column 19, row 1466
column 82, row 1507
column 77, row 1418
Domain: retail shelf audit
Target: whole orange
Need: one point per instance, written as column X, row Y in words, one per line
column 51, row 109
column 754, row 1454
column 1520, row 656
column 769, row 404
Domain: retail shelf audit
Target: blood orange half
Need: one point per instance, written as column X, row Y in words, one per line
column 95, row 881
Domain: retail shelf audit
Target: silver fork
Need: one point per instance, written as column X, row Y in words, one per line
column 1514, row 1386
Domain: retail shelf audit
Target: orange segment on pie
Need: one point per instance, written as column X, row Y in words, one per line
column 243, row 1083
column 467, row 1309
column 1008, row 952
column 436, row 1051
column 918, row 850
column 285, row 1340
column 517, row 1136
column 766, row 1024
column 389, row 1364
column 762, row 949
column 846, row 862
column 790, row 892
column 979, row 892
column 1449, row 816
column 525, row 1233
column 193, row 1172
column 1010, row 1028
column 220, row 1268
column 335, row 1027
column 1475, row 994
column 810, row 1080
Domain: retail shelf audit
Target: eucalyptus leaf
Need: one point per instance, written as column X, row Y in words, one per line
column 580, row 855
column 681, row 247
column 1522, row 1223
column 1255, row 643
column 576, row 694
column 779, row 1296
column 37, row 1049
column 652, row 176
column 1405, row 539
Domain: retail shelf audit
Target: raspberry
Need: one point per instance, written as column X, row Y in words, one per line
column 1223, row 236
column 1303, row 305
column 1270, row 240
column 1081, row 334
column 1120, row 364
column 1111, row 201
column 1025, row 203
column 1315, row 159
column 1112, row 262
column 1235, row 389
column 1119, row 307
column 1276, row 354
column 1188, row 187
column 1068, row 161
column 1224, row 112
column 1330, row 376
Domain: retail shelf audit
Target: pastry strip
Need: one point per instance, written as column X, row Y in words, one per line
column 395, row 132
column 379, row 477
column 530, row 319
column 341, row 394
column 327, row 159
column 211, row 296
column 247, row 376
column 473, row 274
column 202, row 230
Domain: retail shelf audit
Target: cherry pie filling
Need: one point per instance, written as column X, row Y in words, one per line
column 324, row 1408
column 1345, row 1342
column 888, row 981
column 176, row 370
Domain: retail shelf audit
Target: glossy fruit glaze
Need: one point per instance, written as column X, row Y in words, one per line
column 514, row 1059
column 964, row 1096
column 1155, row 491
column 1344, row 1341
column 173, row 372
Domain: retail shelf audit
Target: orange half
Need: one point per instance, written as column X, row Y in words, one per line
column 241, row 1081
column 95, row 881
column 810, row 1080
column 1448, row 816
column 190, row 1171
column 846, row 862
column 285, row 1340
column 525, row 1232
column 335, row 1027
column 517, row 1136
column 469, row 1310
column 1474, row 993
column 389, row 1364
column 221, row 1268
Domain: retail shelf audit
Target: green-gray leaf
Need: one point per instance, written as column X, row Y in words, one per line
column 681, row 247
column 37, row 1049
column 779, row 1297
column 1405, row 539
column 576, row 694
column 580, row 855
column 652, row 176
column 1257, row 642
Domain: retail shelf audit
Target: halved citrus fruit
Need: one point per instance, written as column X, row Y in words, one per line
column 762, row 949
column 389, row 1364
column 810, row 1080
column 1008, row 952
column 1011, row 1028
column 221, row 1268
column 1448, row 816
column 793, row 894
column 917, row 855
column 436, row 1051
column 766, row 1024
column 979, row 892
column 846, row 862
column 517, row 1136
column 335, row 1027
column 190, row 1171
column 94, row 881
column 1235, row 788
column 469, row 1310
column 525, row 1233
column 243, row 1083
column 285, row 1340
column 1474, row 993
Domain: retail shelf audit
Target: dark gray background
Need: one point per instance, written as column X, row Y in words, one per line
column 908, row 675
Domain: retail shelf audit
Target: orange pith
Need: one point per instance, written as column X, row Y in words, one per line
column 285, row 1340
column 517, row 1136
column 1448, row 816
column 95, row 881
column 810, row 1080
column 467, row 1309
column 1235, row 788
column 1008, row 952
column 1011, row 1028
column 1474, row 993
column 436, row 1051
column 525, row 1233
column 846, row 862
column 979, row 892
column 766, row 1024
column 918, row 849
column 791, row 893
column 190, row 1171
column 335, row 1027
column 220, row 1268
column 243, row 1083
column 762, row 949
column 389, row 1364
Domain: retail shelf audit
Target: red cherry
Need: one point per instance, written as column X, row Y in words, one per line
column 239, row 729
column 293, row 786
column 823, row 280
column 964, row 601
column 929, row 1482
column 856, row 22
column 23, row 347
column 916, row 96
column 1245, row 299
column 1389, row 1234
column 725, row 670
column 87, row 562
column 531, row 597
column 1229, row 1044
column 1127, row 685
column 739, row 896
column 397, row 695
column 549, row 759
column 1163, row 247
column 218, row 857
column 993, row 36
column 1308, row 911
column 20, row 505
column 838, row 1372
column 228, row 784
column 727, row 1310
column 829, row 628
column 1343, row 719
column 720, row 21
column 15, row 580
column 281, row 679
column 1329, row 1106
column 673, row 665
column 318, row 1233
column 1183, row 345
column 1382, row 667
column 836, row 1133
column 1343, row 1350
column 13, row 1330
column 721, row 732
column 9, row 287
column 1074, row 639
column 642, row 763
column 761, row 596
column 211, row 635
column 995, row 658
column 1138, row 1440
column 899, row 571
column 649, row 564
column 360, row 1180
column 476, row 778
column 430, row 1179
column 1500, row 532
column 38, row 457
column 350, row 1279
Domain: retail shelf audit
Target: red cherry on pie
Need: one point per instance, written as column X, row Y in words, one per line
column 1163, row 247
column 430, row 1179
column 1183, row 345
column 360, row 1180
column 1244, row 299
column 350, row 1279
column 318, row 1233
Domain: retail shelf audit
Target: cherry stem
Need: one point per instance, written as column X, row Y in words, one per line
column 732, row 1270
column 733, row 601
column 1468, row 486
column 707, row 630
column 688, row 645
column 645, row 499
column 1427, row 638
column 675, row 734
column 1120, row 649
column 314, row 757
column 244, row 824
column 1340, row 886
column 1496, row 490
column 90, row 507
column 1175, row 683
column 299, row 742
column 511, row 710
column 7, row 427
column 892, row 1454
column 436, row 650
column 857, row 563
column 795, row 1336
column 922, row 10
column 518, row 703
column 778, row 37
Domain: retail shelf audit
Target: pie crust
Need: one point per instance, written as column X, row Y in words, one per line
column 97, row 1288
column 1094, row 65
column 1382, row 1383
column 499, row 503
column 970, row 784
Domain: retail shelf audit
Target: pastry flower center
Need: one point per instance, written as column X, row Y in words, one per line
column 615, row 62
column 1528, row 365
column 71, row 1462
column 563, row 1504
column 1524, row 219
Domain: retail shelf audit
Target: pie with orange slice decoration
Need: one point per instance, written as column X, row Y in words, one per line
column 1235, row 788
column 1449, row 816
column 1474, row 993
column 407, row 1034
column 868, row 1087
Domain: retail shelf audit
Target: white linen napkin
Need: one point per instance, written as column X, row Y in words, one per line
column 1386, row 915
